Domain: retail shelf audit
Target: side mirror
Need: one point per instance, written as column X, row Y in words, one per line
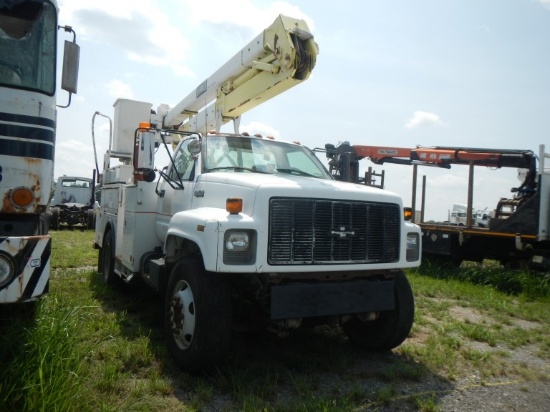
column 71, row 58
column 144, row 154
column 194, row 147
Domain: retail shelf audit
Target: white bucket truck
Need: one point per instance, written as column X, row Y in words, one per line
column 244, row 231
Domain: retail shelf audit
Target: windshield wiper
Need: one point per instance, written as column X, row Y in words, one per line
column 294, row 171
column 237, row 168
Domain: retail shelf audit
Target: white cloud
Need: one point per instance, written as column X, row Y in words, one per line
column 73, row 159
column 119, row 89
column 157, row 34
column 259, row 127
column 545, row 3
column 242, row 13
column 424, row 119
column 139, row 27
column 72, row 145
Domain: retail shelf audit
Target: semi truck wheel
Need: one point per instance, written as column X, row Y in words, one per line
column 90, row 219
column 106, row 259
column 391, row 327
column 197, row 316
column 54, row 222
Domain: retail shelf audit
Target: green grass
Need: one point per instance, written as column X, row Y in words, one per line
column 514, row 282
column 73, row 249
column 44, row 357
column 92, row 348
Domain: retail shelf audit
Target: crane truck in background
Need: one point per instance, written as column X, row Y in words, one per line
column 247, row 231
column 28, row 61
column 516, row 232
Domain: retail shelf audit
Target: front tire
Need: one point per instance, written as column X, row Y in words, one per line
column 391, row 327
column 197, row 316
column 90, row 219
column 106, row 261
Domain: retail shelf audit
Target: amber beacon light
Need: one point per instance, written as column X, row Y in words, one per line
column 234, row 205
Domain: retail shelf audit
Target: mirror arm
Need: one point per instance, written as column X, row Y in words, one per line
column 68, row 103
column 69, row 29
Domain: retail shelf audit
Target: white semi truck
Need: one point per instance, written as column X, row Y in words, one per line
column 73, row 203
column 28, row 61
column 247, row 231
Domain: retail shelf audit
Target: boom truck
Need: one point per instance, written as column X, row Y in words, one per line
column 244, row 232
column 518, row 232
column 28, row 61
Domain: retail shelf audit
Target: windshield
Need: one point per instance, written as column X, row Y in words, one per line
column 27, row 45
column 250, row 154
column 75, row 182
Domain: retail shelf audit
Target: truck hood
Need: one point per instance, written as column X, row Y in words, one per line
column 217, row 187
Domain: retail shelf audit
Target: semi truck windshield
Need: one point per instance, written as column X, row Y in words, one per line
column 28, row 32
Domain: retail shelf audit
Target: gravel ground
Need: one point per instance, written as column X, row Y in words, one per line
column 505, row 396
column 524, row 396
column 472, row 395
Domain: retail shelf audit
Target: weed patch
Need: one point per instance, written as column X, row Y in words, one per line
column 532, row 285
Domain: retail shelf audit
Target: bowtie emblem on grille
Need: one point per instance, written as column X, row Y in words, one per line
column 342, row 232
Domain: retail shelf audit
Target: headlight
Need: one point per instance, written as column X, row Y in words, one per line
column 237, row 241
column 7, row 270
column 413, row 247
column 239, row 247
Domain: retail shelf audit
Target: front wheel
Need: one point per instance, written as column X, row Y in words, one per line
column 197, row 316
column 391, row 327
column 90, row 219
column 106, row 261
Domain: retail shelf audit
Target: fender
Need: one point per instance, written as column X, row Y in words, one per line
column 203, row 228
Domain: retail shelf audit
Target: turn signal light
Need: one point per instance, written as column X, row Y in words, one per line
column 407, row 213
column 22, row 197
column 234, row 205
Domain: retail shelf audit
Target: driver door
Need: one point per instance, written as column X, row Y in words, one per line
column 175, row 189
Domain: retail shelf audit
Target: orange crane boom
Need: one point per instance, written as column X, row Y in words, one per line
column 445, row 156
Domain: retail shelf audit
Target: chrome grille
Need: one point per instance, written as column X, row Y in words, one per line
column 317, row 231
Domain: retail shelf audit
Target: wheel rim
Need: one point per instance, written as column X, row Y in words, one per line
column 182, row 315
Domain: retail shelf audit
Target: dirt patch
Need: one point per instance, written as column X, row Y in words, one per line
column 466, row 314
column 526, row 324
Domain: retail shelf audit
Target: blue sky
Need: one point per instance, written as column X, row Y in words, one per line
column 470, row 73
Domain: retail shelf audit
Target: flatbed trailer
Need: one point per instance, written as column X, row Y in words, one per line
column 457, row 244
column 518, row 233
